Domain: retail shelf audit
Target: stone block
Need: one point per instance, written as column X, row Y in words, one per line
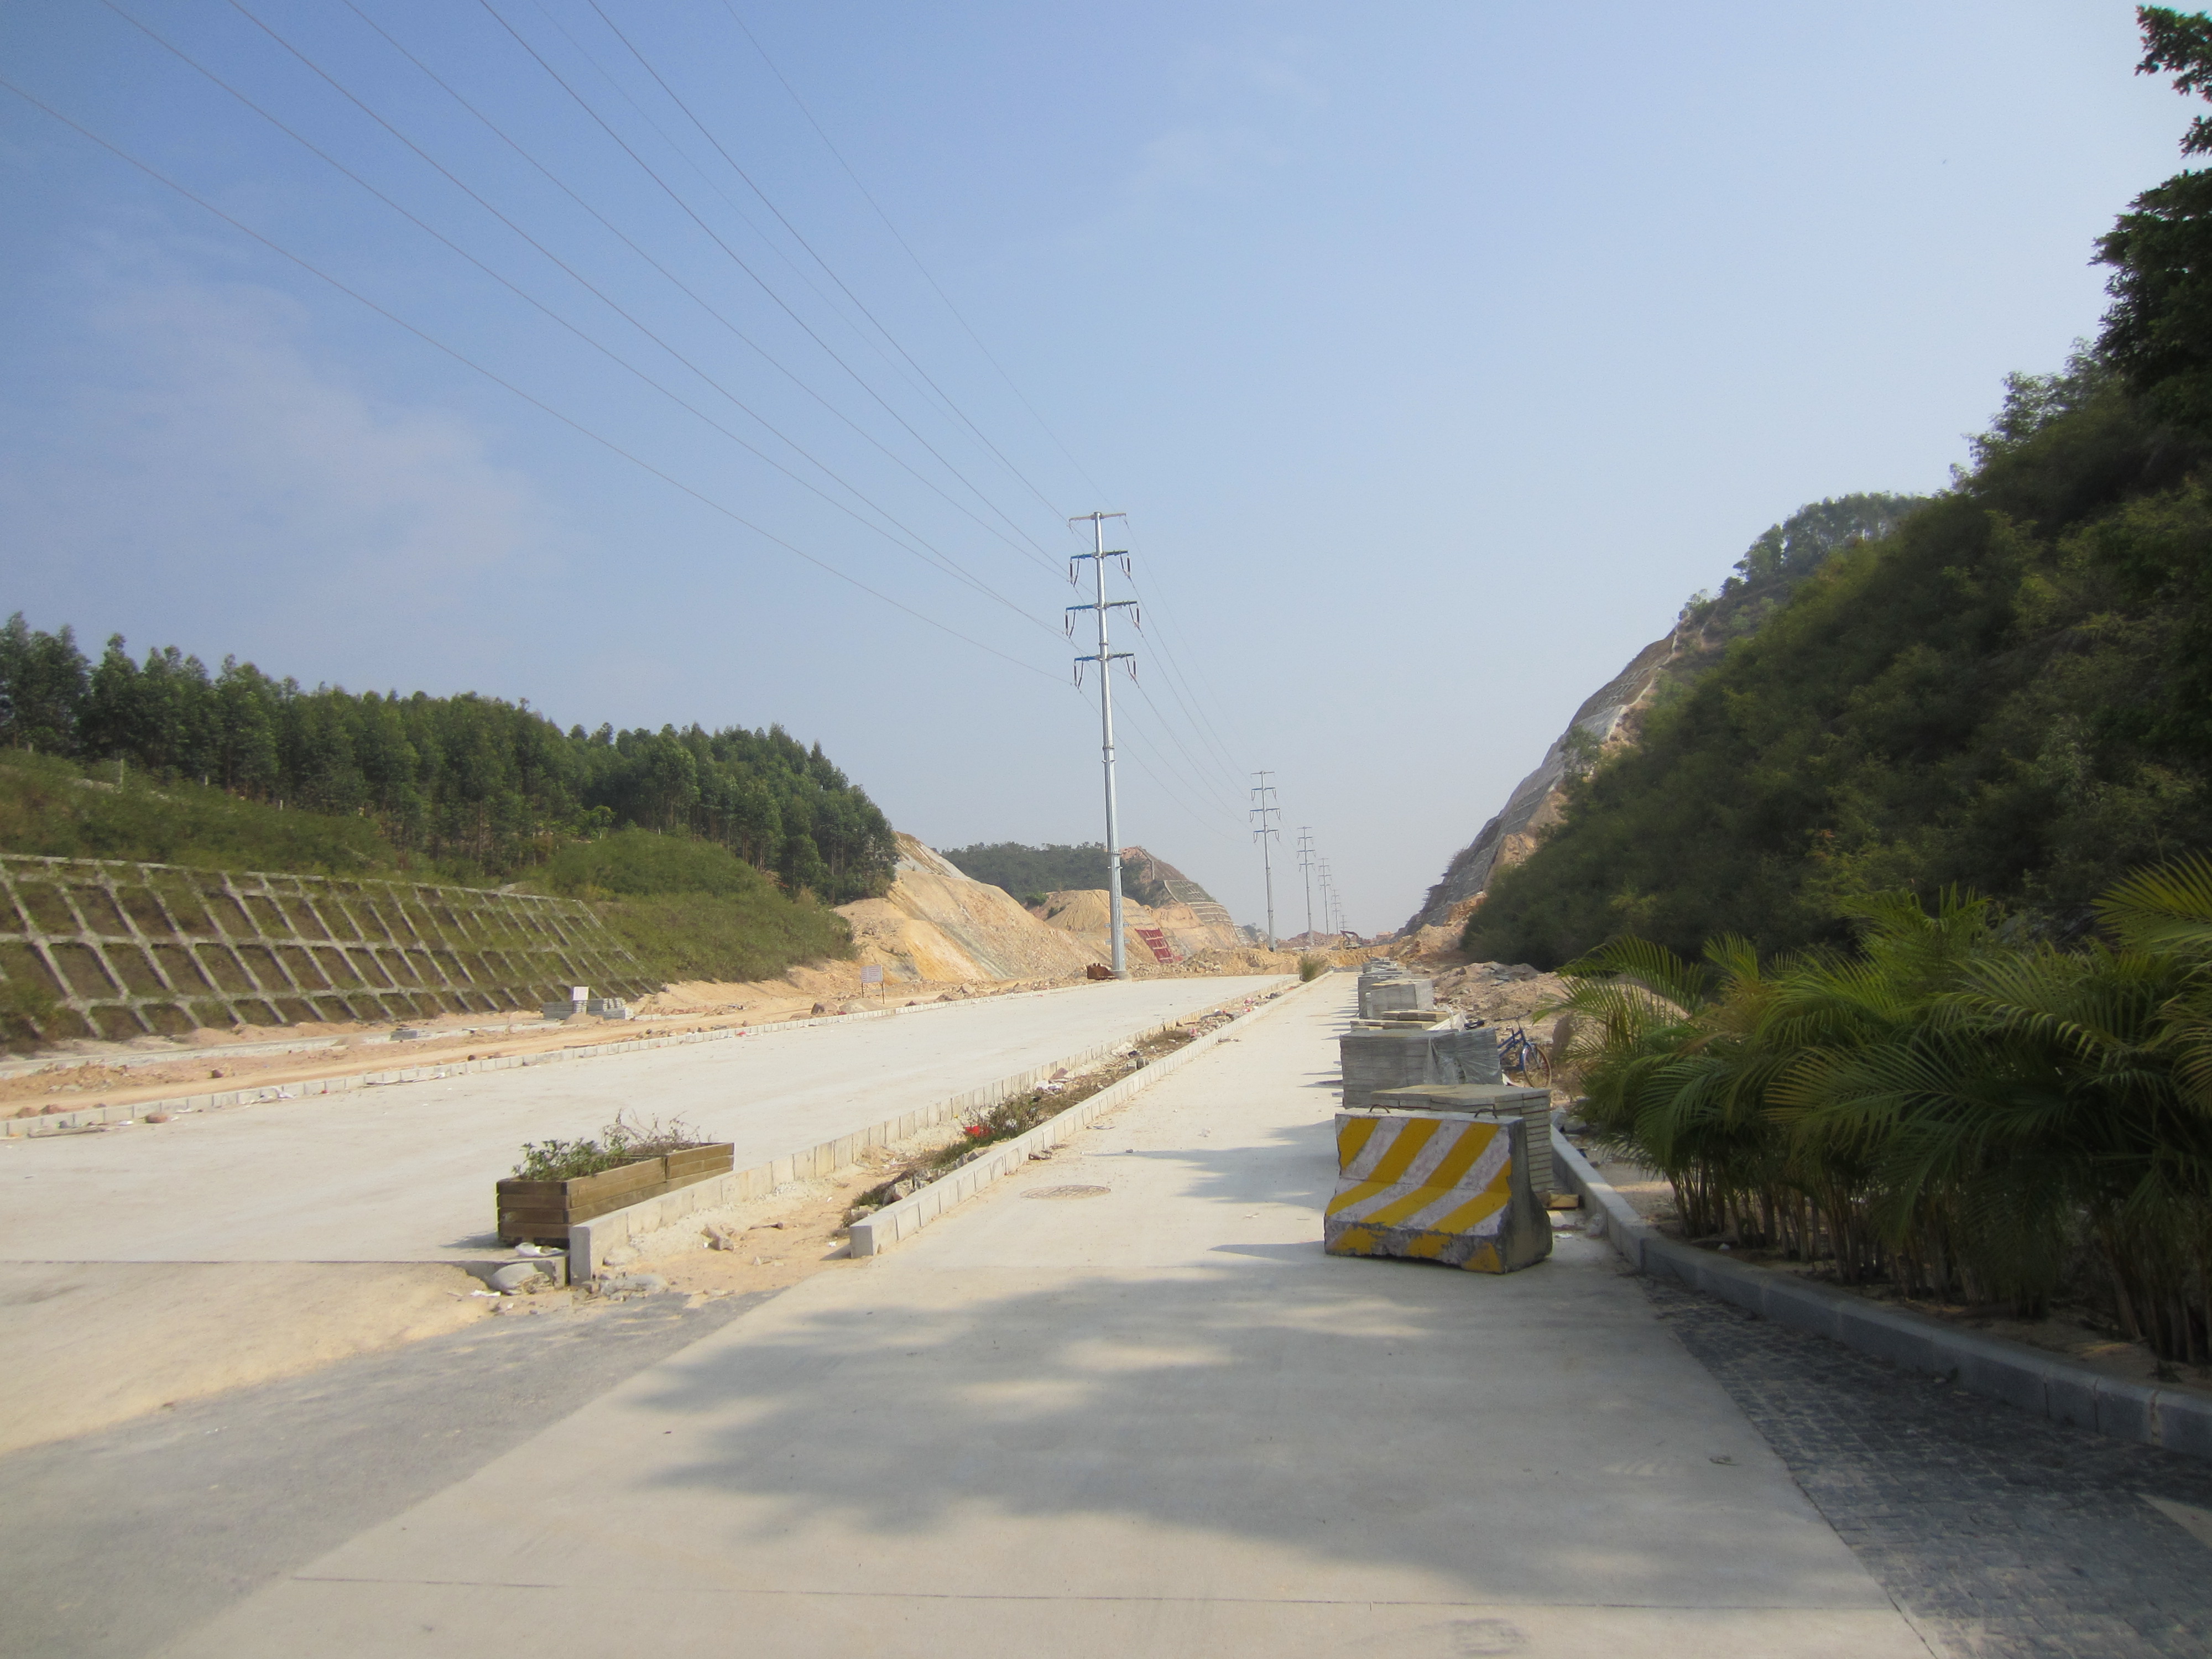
column 2185, row 1425
column 2018, row 1379
column 1442, row 1187
column 2069, row 1396
column 1876, row 1331
column 2126, row 1411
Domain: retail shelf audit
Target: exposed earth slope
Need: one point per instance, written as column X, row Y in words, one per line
column 1773, row 568
column 936, row 924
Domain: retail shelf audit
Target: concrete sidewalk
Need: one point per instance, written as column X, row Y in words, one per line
column 1159, row 1421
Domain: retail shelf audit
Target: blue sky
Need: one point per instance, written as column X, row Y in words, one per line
column 1437, row 352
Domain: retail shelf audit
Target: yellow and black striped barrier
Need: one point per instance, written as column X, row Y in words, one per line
column 1435, row 1186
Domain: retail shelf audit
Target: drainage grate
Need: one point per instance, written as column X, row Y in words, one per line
column 1067, row 1192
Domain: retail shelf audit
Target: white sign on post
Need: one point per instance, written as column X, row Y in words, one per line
column 871, row 974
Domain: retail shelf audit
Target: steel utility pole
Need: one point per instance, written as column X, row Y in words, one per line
column 1305, row 866
column 1328, row 905
column 1105, row 658
column 1263, row 806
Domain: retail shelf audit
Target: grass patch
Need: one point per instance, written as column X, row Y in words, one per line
column 692, row 909
column 1311, row 968
column 54, row 809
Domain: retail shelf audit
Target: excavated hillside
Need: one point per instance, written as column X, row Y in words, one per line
column 938, row 926
column 1771, row 570
column 1603, row 722
column 1158, row 885
column 1087, row 914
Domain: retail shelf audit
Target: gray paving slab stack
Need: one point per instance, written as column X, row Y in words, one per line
column 1385, row 987
column 1375, row 1060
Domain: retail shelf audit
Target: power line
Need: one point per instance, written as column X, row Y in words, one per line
column 734, row 256
column 927, row 276
column 827, row 268
column 437, row 345
column 1178, row 684
column 691, row 294
column 942, row 560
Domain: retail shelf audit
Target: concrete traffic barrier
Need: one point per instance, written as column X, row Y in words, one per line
column 1531, row 1106
column 1435, row 1186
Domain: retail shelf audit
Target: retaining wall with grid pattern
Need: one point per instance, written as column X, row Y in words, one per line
column 101, row 948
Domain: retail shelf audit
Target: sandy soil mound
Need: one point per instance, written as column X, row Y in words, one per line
column 937, row 926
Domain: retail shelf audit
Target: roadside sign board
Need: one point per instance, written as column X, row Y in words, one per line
column 871, row 974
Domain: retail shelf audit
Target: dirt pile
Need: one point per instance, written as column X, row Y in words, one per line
column 938, row 926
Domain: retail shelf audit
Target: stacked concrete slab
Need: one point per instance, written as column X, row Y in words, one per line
column 1387, row 988
column 1380, row 1058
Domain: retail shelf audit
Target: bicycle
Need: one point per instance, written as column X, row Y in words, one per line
column 1519, row 1052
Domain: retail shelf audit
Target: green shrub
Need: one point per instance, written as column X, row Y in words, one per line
column 1962, row 1112
column 1311, row 968
column 620, row 1142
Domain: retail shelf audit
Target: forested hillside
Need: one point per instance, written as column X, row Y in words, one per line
column 2011, row 691
column 468, row 785
column 1022, row 871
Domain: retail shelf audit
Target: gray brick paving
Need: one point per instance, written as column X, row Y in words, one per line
column 2000, row 1535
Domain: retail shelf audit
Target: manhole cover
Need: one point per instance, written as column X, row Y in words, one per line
column 1067, row 1192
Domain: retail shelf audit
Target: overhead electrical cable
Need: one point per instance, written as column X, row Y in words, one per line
column 1136, row 754
column 690, row 292
column 982, row 437
column 1200, row 770
column 536, row 402
column 735, row 257
column 876, row 340
column 911, row 369
column 1195, row 778
column 1202, row 728
column 940, row 560
column 927, row 276
column 1187, row 697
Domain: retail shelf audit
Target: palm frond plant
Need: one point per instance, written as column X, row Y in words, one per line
column 1955, row 1109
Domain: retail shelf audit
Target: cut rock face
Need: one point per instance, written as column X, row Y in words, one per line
column 1435, row 1186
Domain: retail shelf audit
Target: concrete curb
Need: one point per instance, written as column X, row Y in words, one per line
column 92, row 1116
column 590, row 1241
column 2045, row 1384
column 896, row 1223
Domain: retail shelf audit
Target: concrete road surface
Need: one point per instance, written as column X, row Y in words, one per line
column 1157, row 1421
column 405, row 1173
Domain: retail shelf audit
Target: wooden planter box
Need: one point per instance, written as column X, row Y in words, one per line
column 541, row 1212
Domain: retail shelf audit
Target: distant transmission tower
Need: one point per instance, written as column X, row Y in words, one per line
column 1305, row 868
column 1105, row 658
column 1263, row 806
